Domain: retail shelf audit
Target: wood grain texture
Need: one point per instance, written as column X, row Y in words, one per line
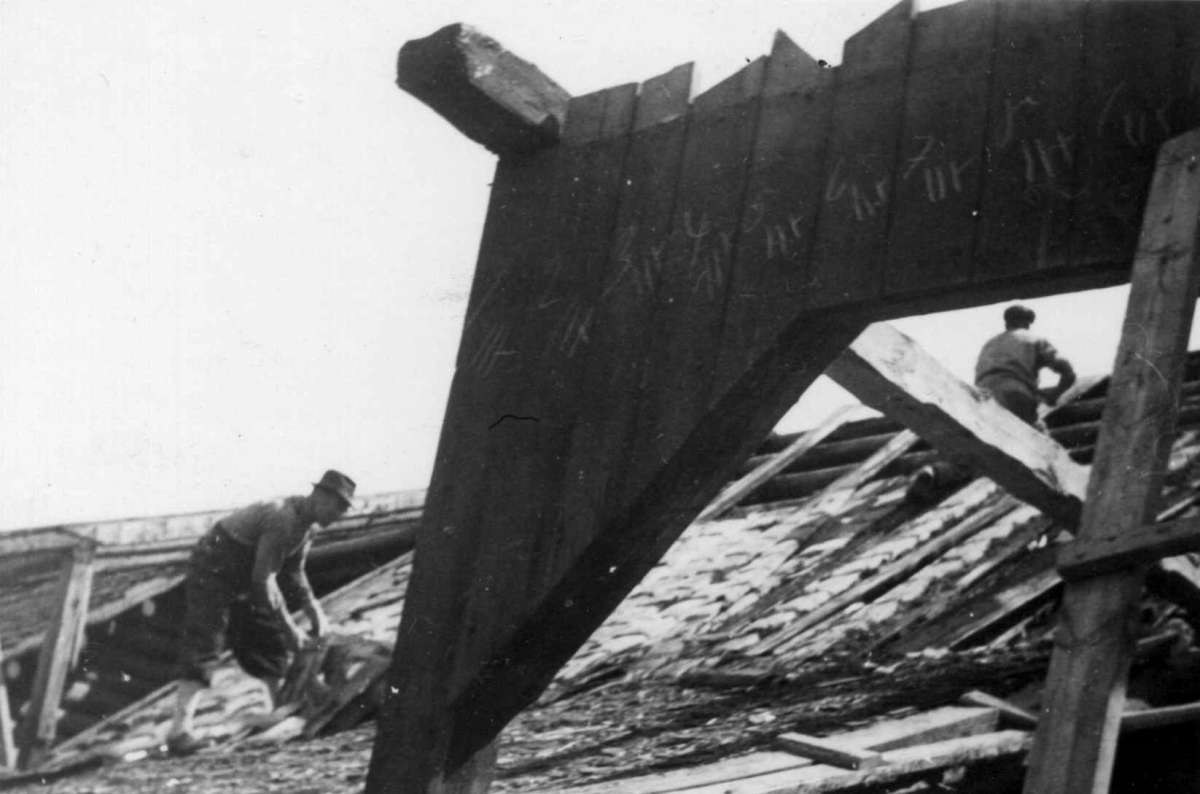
column 1033, row 141
column 1076, row 738
column 860, row 162
column 783, row 195
column 940, row 171
column 891, row 373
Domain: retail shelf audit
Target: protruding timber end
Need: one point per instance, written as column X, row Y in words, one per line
column 489, row 94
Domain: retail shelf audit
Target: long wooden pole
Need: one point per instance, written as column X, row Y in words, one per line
column 59, row 650
column 1077, row 735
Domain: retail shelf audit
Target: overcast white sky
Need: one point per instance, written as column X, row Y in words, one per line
column 233, row 253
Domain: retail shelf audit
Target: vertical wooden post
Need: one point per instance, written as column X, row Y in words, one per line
column 60, row 648
column 1085, row 691
column 8, row 750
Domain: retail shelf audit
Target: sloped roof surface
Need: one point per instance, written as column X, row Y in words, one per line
column 822, row 611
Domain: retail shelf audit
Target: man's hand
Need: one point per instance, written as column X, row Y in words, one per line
column 1049, row 395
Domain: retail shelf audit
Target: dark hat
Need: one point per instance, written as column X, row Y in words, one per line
column 1019, row 315
column 338, row 484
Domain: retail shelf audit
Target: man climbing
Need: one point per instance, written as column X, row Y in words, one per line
column 241, row 577
column 1007, row 369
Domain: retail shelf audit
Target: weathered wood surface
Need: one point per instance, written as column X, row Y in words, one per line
column 59, row 652
column 8, row 747
column 1079, row 560
column 924, row 728
column 888, row 371
column 824, row 751
column 1076, row 738
column 744, row 486
column 489, row 94
column 687, row 275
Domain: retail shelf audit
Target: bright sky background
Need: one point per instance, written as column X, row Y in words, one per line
column 234, row 254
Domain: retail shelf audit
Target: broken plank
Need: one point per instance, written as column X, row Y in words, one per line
column 745, row 486
column 1079, row 560
column 891, row 373
column 825, row 751
column 489, row 94
column 891, row 574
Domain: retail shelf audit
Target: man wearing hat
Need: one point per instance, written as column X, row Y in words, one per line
column 1007, row 369
column 241, row 578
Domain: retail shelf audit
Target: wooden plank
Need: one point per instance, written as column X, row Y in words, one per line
column 1146, row 719
column 926, row 727
column 1011, row 606
column 890, row 575
column 947, row 722
column 860, row 162
column 891, row 373
column 1076, row 739
column 1125, row 116
column 743, row 487
column 489, row 94
column 58, row 653
column 783, row 196
column 412, row 740
column 1014, row 716
column 835, row 494
column 617, row 357
column 1032, row 142
column 534, row 412
column 704, row 238
column 824, row 751
column 632, row 541
column 940, row 171
column 1104, row 554
column 8, row 749
column 898, row 765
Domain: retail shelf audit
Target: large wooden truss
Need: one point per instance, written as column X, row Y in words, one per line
column 660, row 278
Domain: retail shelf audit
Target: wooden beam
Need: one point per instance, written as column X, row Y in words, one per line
column 58, row 653
column 1076, row 738
column 825, row 751
column 891, row 373
column 745, row 486
column 1079, row 560
column 8, row 750
column 489, row 94
column 1014, row 716
column 834, row 495
column 632, row 541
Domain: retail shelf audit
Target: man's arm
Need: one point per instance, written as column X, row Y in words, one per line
column 294, row 584
column 268, row 561
column 1066, row 376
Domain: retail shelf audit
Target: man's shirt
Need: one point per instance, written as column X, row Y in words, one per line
column 276, row 530
column 1014, row 358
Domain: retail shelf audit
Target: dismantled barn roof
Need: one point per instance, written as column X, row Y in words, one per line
column 836, row 605
column 135, row 604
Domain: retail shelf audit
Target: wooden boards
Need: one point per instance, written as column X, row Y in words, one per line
column 489, row 94
column 59, row 651
column 614, row 370
column 891, row 373
column 1076, row 737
